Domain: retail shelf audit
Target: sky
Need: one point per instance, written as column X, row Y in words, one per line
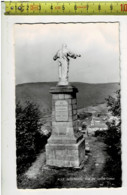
column 36, row 44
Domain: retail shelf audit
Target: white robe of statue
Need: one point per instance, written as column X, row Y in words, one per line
column 62, row 56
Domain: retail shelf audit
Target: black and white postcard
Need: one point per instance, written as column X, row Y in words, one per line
column 84, row 56
column 64, row 103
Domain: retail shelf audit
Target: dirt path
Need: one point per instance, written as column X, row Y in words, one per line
column 91, row 175
column 35, row 169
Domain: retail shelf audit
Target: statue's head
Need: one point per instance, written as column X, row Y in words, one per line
column 64, row 46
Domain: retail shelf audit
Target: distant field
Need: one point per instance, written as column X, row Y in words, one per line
column 88, row 95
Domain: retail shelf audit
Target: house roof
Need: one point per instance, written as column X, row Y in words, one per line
column 97, row 123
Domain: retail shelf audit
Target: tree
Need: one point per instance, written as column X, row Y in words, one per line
column 29, row 141
column 113, row 104
column 113, row 136
column 114, row 131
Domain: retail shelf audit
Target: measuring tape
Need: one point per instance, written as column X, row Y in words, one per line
column 66, row 8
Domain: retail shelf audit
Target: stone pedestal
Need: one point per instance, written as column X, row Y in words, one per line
column 66, row 146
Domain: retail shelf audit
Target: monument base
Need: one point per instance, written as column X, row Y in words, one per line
column 66, row 155
column 66, row 145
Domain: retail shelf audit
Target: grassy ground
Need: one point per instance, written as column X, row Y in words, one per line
column 93, row 173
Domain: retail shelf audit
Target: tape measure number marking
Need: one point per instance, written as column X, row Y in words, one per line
column 66, row 8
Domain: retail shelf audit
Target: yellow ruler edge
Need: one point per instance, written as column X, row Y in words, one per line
column 65, row 8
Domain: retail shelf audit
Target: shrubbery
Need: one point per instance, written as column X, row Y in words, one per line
column 29, row 140
column 84, row 115
column 100, row 133
column 113, row 137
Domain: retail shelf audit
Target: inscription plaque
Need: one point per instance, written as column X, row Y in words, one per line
column 61, row 110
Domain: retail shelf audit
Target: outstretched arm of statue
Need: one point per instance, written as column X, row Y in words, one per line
column 78, row 55
column 72, row 55
column 56, row 56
